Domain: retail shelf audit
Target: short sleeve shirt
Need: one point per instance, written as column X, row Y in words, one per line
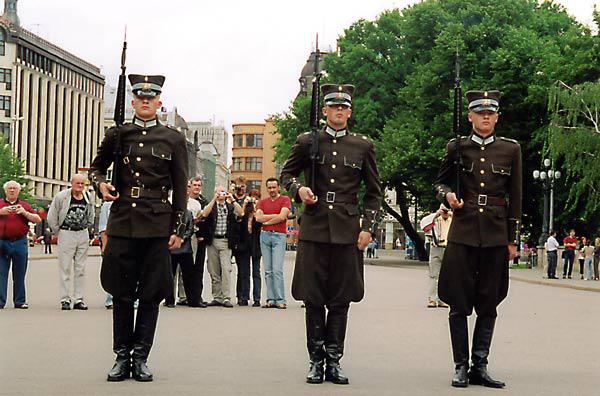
column 270, row 206
column 76, row 218
column 13, row 225
column 569, row 239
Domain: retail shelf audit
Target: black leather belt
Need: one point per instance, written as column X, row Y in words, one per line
column 220, row 236
column 139, row 192
column 335, row 197
column 484, row 200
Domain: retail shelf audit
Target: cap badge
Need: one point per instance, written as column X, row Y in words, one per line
column 486, row 102
column 485, row 94
column 146, row 78
column 340, row 88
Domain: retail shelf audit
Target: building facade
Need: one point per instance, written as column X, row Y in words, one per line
column 253, row 154
column 51, row 106
column 206, row 131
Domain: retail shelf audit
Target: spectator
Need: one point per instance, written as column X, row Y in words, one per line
column 256, row 254
column 200, row 230
column 48, row 241
column 596, row 258
column 15, row 215
column 552, row 251
column 371, row 248
column 570, row 243
column 249, row 229
column 588, row 252
column 398, row 243
column 581, row 255
column 238, row 187
column 69, row 216
column 436, row 227
column 273, row 212
column 221, row 214
column 102, row 238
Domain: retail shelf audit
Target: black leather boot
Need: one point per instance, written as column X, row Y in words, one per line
column 122, row 334
column 145, row 325
column 337, row 318
column 482, row 339
column 459, row 335
column 315, row 342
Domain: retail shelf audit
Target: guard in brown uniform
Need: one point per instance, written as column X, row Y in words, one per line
column 143, row 226
column 483, row 236
column 329, row 263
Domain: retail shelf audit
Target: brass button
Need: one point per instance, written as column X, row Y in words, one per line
column 138, row 159
column 480, row 210
column 482, row 184
column 482, row 171
column 137, row 174
column 133, row 205
column 483, row 148
column 334, row 140
column 141, row 144
column 335, row 153
column 330, row 206
column 332, row 181
column 144, row 133
column 333, row 166
column 482, row 160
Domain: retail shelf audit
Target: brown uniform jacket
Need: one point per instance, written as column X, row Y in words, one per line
column 490, row 185
column 154, row 160
column 343, row 163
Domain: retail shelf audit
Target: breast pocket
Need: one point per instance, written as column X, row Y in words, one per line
column 353, row 162
column 467, row 167
column 501, row 169
column 162, row 152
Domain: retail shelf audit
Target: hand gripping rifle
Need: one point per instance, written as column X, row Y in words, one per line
column 314, row 118
column 456, row 124
column 119, row 115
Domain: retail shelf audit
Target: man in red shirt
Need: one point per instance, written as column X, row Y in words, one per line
column 272, row 212
column 15, row 215
column 570, row 243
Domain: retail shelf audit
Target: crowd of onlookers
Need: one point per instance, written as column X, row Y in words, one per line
column 232, row 228
column 587, row 252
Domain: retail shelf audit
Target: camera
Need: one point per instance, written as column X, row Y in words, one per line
column 238, row 189
column 222, row 194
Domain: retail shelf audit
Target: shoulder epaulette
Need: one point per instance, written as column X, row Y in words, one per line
column 509, row 140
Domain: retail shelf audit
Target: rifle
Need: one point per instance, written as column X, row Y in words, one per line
column 456, row 124
column 119, row 115
column 314, row 118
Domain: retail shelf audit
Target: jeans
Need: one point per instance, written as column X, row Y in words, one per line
column 569, row 258
column 14, row 252
column 588, row 269
column 272, row 246
column 552, row 260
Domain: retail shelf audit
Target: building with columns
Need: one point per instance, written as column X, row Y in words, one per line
column 51, row 106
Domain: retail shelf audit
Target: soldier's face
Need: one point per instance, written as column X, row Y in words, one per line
column 146, row 106
column 483, row 122
column 337, row 115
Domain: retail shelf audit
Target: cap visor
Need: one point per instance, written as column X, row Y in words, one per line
column 480, row 109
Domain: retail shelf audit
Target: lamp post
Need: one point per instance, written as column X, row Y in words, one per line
column 546, row 178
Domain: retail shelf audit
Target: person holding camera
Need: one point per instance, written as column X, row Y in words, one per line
column 238, row 188
column 249, row 232
column 221, row 215
column 15, row 215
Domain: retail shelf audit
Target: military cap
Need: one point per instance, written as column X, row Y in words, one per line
column 146, row 85
column 337, row 94
column 483, row 100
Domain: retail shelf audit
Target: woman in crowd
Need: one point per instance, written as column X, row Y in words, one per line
column 588, row 252
column 246, row 250
column 581, row 256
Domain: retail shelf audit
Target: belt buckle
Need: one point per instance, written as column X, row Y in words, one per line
column 330, row 198
column 482, row 199
column 135, row 192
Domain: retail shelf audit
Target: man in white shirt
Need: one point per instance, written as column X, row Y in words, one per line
column 552, row 251
column 436, row 227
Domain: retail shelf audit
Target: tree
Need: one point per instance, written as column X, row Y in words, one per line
column 402, row 64
column 11, row 168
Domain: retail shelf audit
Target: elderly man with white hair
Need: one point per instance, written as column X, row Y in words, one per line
column 15, row 215
column 69, row 216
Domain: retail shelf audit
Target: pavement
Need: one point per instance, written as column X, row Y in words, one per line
column 544, row 342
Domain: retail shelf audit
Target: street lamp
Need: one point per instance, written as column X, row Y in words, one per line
column 546, row 178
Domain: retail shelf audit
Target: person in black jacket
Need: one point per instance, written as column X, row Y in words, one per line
column 221, row 214
column 249, row 233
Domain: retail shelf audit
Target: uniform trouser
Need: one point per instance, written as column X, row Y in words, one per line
column 72, row 251
column 242, row 260
column 326, row 332
column 435, row 263
column 219, row 268
column 15, row 253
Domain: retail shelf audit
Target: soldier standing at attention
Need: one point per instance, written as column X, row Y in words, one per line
column 143, row 225
column 483, row 236
column 329, row 263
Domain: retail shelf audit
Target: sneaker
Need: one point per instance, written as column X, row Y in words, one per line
column 22, row 306
column 80, row 305
column 256, row 303
column 227, row 304
column 281, row 306
column 65, row 305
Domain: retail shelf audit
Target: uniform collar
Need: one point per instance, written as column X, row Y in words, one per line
column 145, row 124
column 334, row 133
column 482, row 141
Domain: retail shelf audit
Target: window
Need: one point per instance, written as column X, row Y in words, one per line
column 253, row 184
column 238, row 163
column 5, row 105
column 6, row 77
column 2, row 41
column 5, row 130
column 238, row 140
column 254, row 164
column 254, row 140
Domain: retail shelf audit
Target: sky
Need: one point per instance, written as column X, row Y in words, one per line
column 228, row 61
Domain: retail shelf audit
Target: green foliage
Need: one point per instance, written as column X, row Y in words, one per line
column 11, row 168
column 574, row 138
column 402, row 64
